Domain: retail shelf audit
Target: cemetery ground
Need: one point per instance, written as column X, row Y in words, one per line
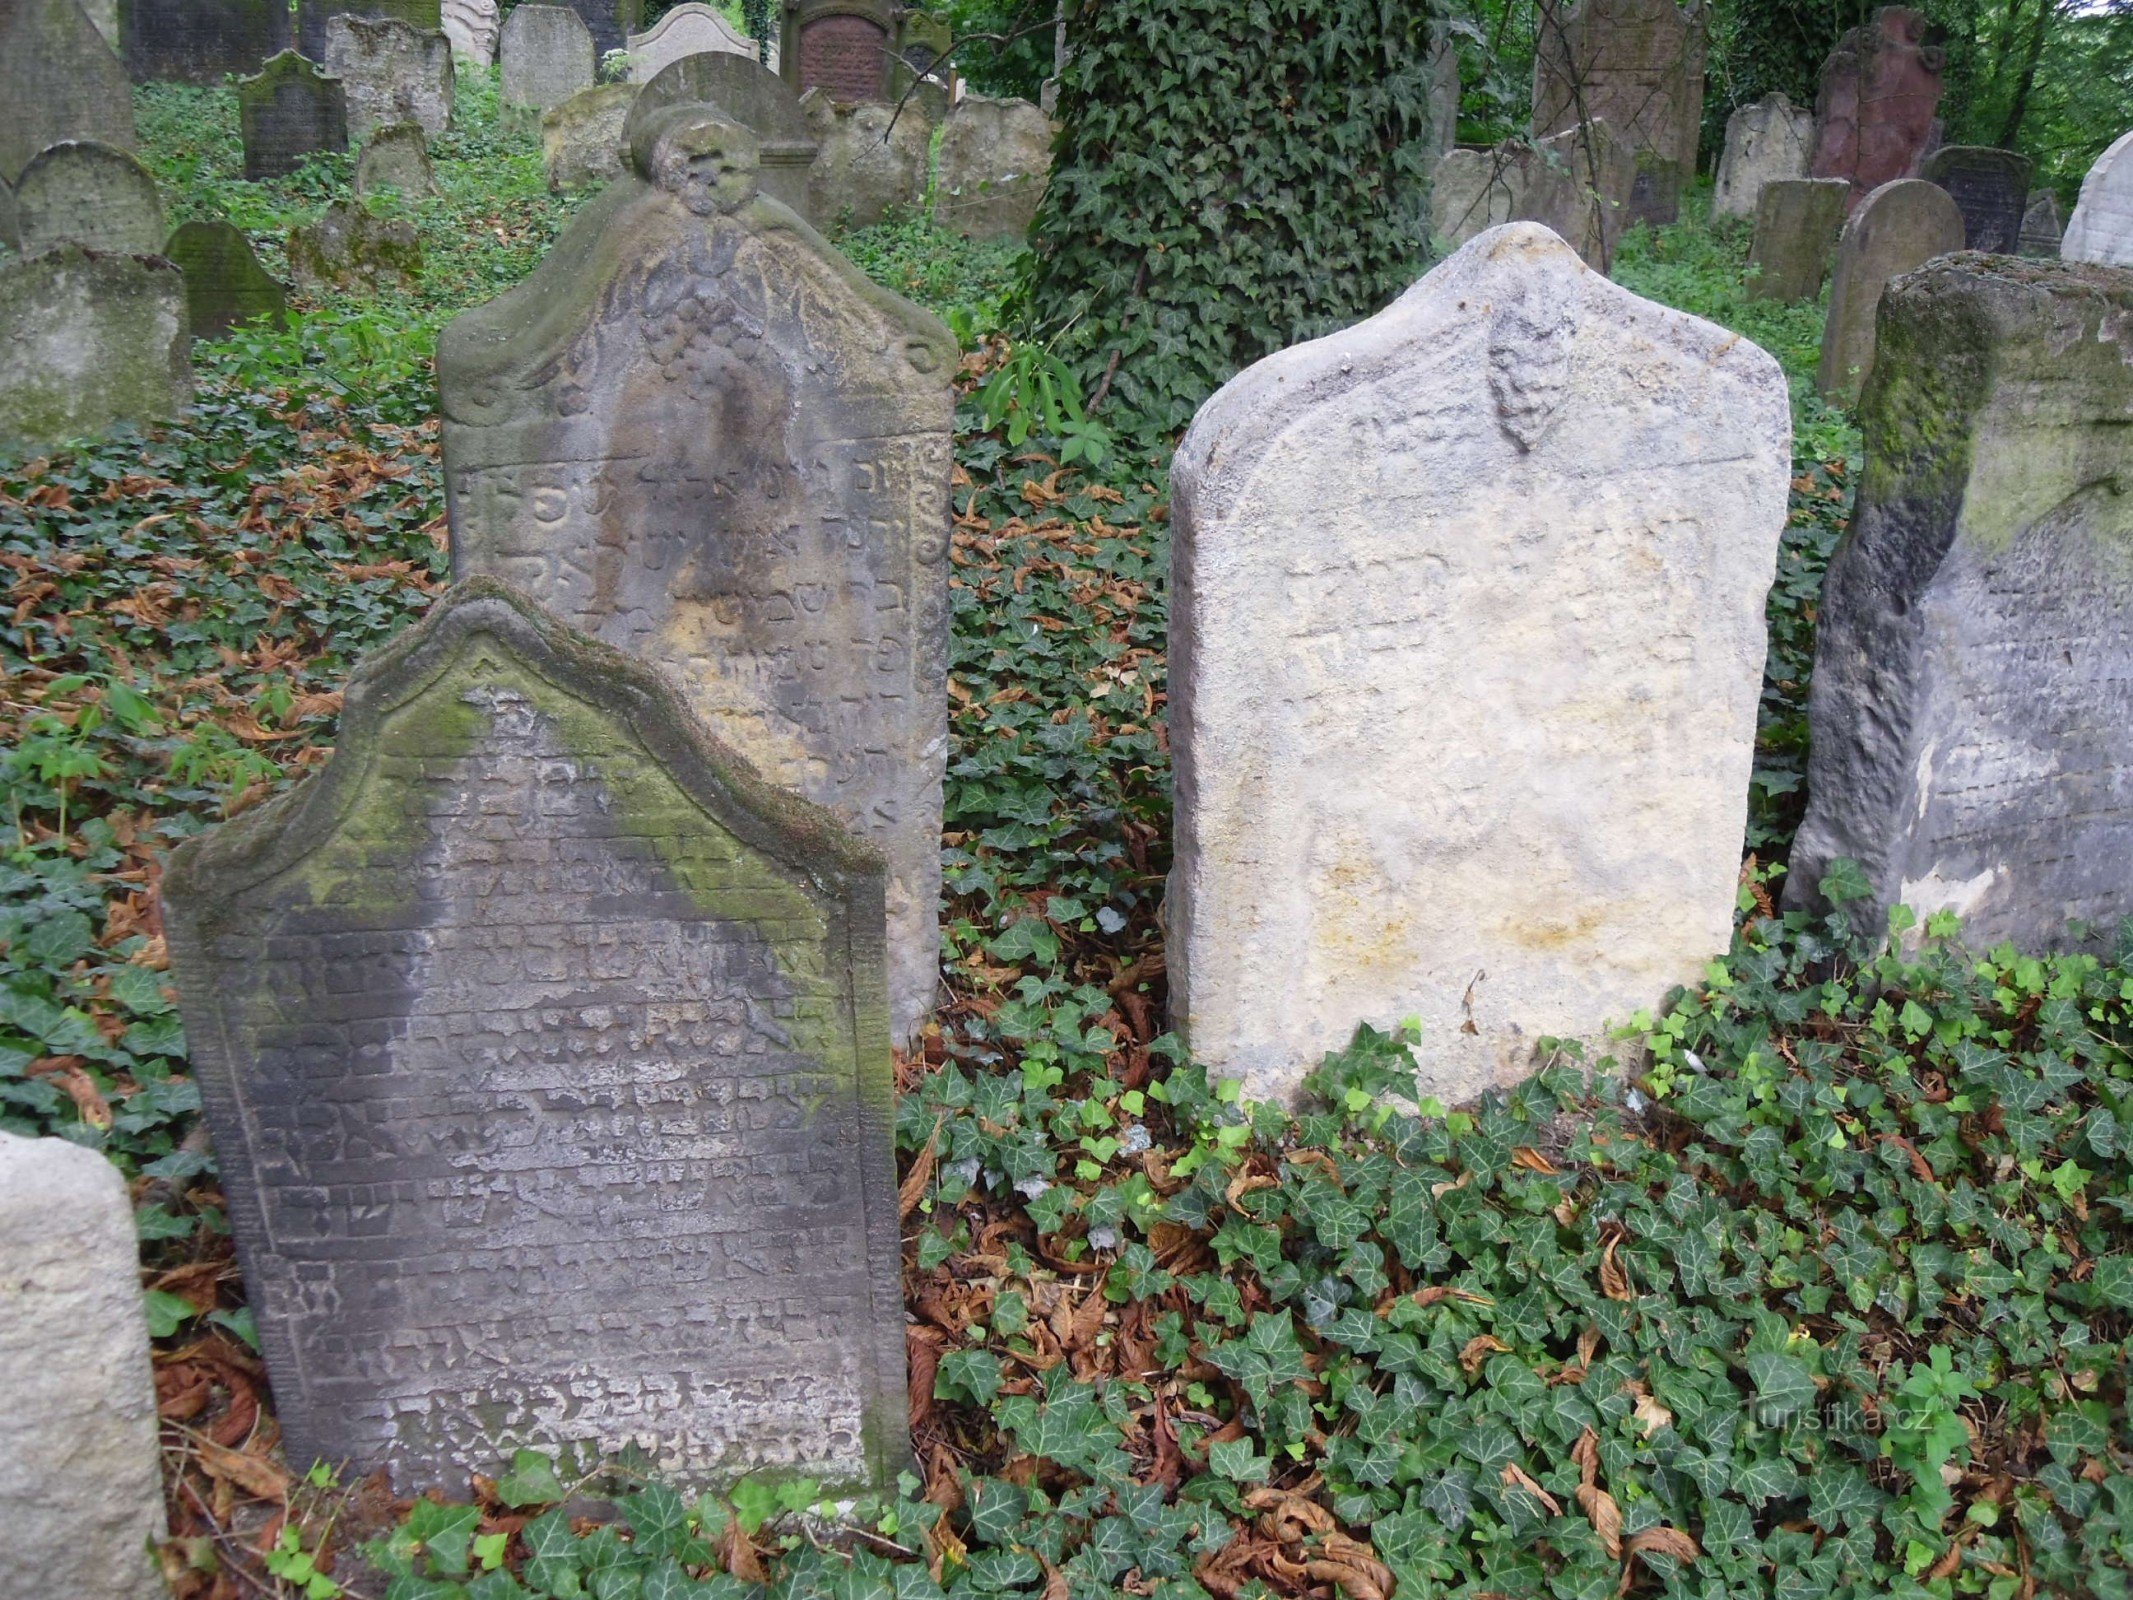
column 1832, row 1294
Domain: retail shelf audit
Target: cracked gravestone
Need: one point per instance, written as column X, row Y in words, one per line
column 390, row 73
column 91, row 195
column 1899, row 226
column 312, row 17
column 349, row 247
column 1575, row 184
column 1423, row 767
column 89, row 342
column 995, row 161
column 59, row 80
column 1769, row 140
column 1876, row 110
column 1989, row 187
column 546, row 1054
column 289, row 113
column 225, row 285
column 871, row 160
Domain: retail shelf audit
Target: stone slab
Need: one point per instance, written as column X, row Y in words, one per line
column 1638, row 66
column 1426, row 766
column 844, row 47
column 224, row 283
column 201, row 41
column 91, row 195
column 1771, row 139
column 1972, row 701
column 289, row 113
column 546, row 56
column 698, row 432
column 391, row 73
column 1877, row 107
column 2101, row 228
column 745, row 92
column 1899, row 226
column 1443, row 70
column 350, row 248
column 1989, row 187
column 1575, row 184
column 59, row 80
column 2041, row 231
column 581, row 139
column 691, row 28
column 424, row 16
column 472, row 26
column 79, row 1470
column 88, row 343
column 871, row 161
column 9, row 227
column 995, row 162
column 397, row 156
column 1797, row 221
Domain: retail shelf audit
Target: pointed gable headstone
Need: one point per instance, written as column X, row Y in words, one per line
column 59, row 80
column 290, row 112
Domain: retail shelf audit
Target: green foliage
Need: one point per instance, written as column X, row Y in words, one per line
column 961, row 282
column 1227, row 180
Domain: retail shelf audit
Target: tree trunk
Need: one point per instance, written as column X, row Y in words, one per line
column 2018, row 108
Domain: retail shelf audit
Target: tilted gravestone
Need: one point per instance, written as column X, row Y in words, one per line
column 80, row 1475
column 546, row 1055
column 89, row 342
column 224, row 283
column 581, row 139
column 290, row 112
column 1876, row 110
column 995, row 161
column 1989, row 187
column 690, row 29
column 2101, row 228
column 846, row 47
column 91, row 195
column 747, row 93
column 397, row 156
column 1899, row 226
column 871, row 162
column 1424, row 769
column 1638, row 66
column 201, row 41
column 1971, row 714
column 390, row 73
column 350, row 248
column 1766, row 141
column 701, row 434
column 472, row 26
column 1574, row 184
column 1796, row 225
column 545, row 56
column 59, row 80
column 424, row 16
column 2040, row 226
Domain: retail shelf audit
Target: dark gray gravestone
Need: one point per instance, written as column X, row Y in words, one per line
column 1796, row 226
column 700, row 433
column 312, row 16
column 1972, row 709
column 546, row 1056
column 2041, row 230
column 224, row 283
column 58, row 81
column 1989, row 187
column 610, row 22
column 290, row 112
column 745, row 92
column 200, row 41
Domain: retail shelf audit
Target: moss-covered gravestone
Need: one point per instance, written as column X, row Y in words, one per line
column 89, row 342
column 1796, row 225
column 746, row 92
column 700, row 433
column 224, row 283
column 350, row 248
column 290, row 112
column 88, row 194
column 391, row 73
column 313, row 15
column 1899, row 226
column 1972, row 710
column 201, row 41
column 396, row 156
column 59, row 80
column 545, row 1049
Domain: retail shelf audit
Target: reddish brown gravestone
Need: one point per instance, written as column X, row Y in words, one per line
column 841, row 47
column 1875, row 115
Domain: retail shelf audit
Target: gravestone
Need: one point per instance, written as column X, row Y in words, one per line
column 424, row 16
column 390, row 74
column 846, row 47
column 747, row 93
column 1443, row 71
column 105, row 15
column 1771, row 139
column 546, row 56
column 1638, row 66
column 1796, row 225
column 201, row 41
column 349, row 248
column 1471, row 192
column 9, row 234
column 79, row 1470
column 90, row 195
column 290, row 112
column 1574, row 184
column 1876, row 112
column 1900, row 226
column 691, row 28
column 397, row 157
column 546, row 1056
column 1972, row 744
column 472, row 26
column 871, row 162
column 923, row 73
column 2101, row 228
column 1989, row 187
column 610, row 22
column 59, row 80
column 224, row 283
column 995, row 161
column 88, row 343
column 701, row 434
column 2040, row 226
column 581, row 139
column 1424, row 768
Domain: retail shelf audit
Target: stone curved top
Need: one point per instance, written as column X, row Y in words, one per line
column 287, row 64
column 748, row 92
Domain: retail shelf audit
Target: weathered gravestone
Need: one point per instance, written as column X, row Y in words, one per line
column 2101, row 228
column 923, row 73
column 871, row 160
column 224, row 283
column 701, row 434
column 472, row 26
column 545, row 55
column 59, row 80
column 744, row 92
column 391, row 73
column 581, row 139
column 1989, row 187
column 1574, row 184
column 1638, row 66
column 79, row 1471
column 290, row 112
column 201, row 41
column 1423, row 767
column 690, row 29
column 88, row 343
column 1876, row 109
column 397, row 157
column 610, row 22
column 8, row 225
column 105, row 15
column 847, row 47
column 350, row 248
column 2040, row 226
column 1796, row 225
column 1443, row 72
column 424, row 16
column 1972, row 701
column 1471, row 192
column 546, row 1056
column 1766, row 141
column 1900, row 226
column 90, row 195
column 995, row 161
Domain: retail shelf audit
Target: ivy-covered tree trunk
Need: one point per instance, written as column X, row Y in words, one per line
column 1231, row 176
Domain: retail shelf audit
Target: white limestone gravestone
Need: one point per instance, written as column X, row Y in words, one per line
column 1771, row 139
column 2101, row 228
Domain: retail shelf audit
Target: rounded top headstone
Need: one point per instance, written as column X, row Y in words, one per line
column 2101, row 228
column 746, row 91
column 90, row 194
column 698, row 156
